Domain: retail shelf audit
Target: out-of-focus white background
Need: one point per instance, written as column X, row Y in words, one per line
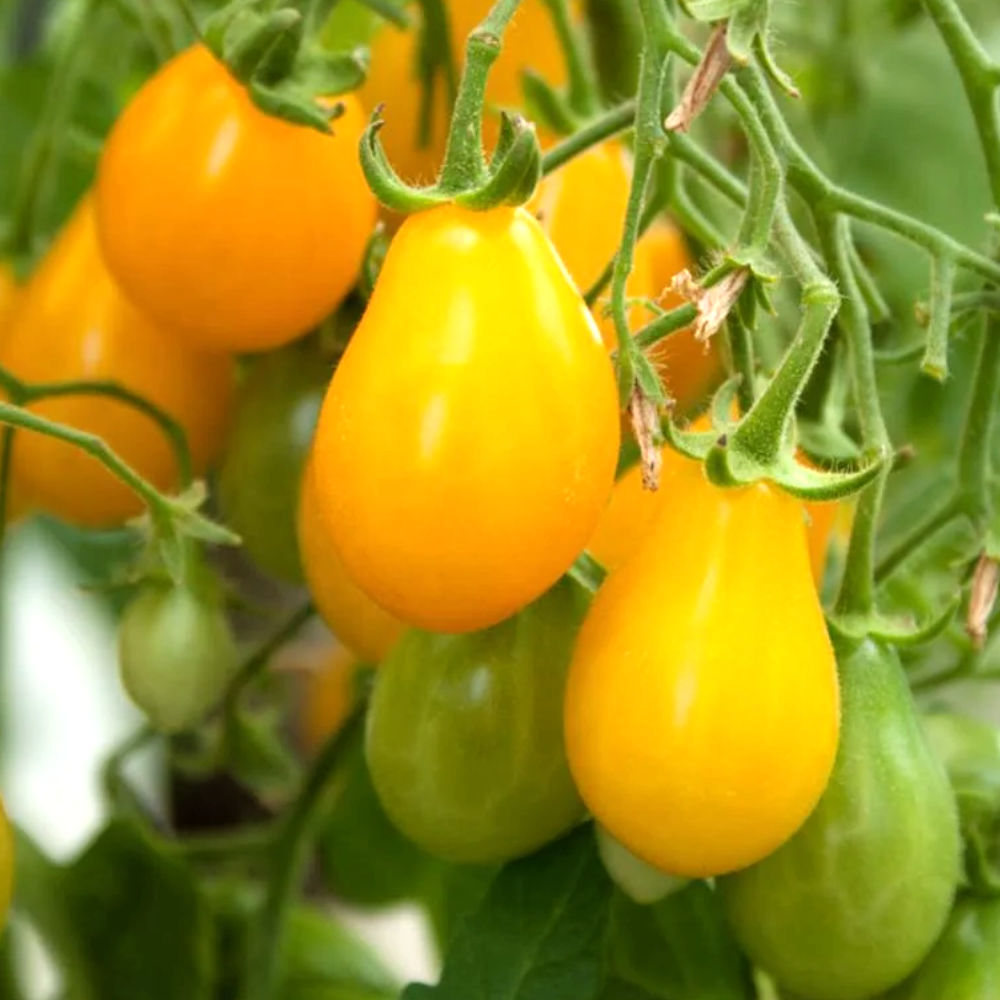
column 64, row 712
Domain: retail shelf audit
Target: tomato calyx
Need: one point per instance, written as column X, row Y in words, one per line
column 514, row 172
column 284, row 77
column 466, row 178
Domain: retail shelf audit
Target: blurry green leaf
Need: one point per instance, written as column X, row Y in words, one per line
column 679, row 948
column 538, row 933
column 141, row 924
column 322, row 957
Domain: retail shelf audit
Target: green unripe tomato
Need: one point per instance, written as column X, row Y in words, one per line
column 464, row 737
column 276, row 412
column 854, row 901
column 641, row 882
column 965, row 962
column 176, row 654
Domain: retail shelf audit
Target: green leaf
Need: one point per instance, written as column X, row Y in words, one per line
column 141, row 924
column 322, row 957
column 677, row 949
column 538, row 934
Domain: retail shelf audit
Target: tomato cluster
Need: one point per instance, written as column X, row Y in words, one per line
column 435, row 477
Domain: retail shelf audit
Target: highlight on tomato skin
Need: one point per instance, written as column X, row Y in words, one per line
column 682, row 704
column 237, row 229
column 90, row 331
column 447, row 517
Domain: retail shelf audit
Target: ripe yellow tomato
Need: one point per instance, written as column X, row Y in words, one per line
column 73, row 323
column 231, row 226
column 702, row 704
column 630, row 514
column 394, row 81
column 467, row 443
column 357, row 621
column 327, row 698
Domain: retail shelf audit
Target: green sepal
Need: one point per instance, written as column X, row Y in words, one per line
column 292, row 105
column 546, row 104
column 766, row 58
column 760, row 266
column 727, row 465
column 279, row 59
column 745, row 26
column 326, row 74
column 389, row 188
column 896, row 630
column 217, row 25
column 827, row 443
column 817, row 484
column 693, row 444
column 251, row 38
column 721, row 408
column 515, row 170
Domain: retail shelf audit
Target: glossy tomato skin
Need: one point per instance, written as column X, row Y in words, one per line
column 176, row 655
column 277, row 407
column 469, row 438
column 681, row 706
column 854, row 901
column 235, row 228
column 73, row 323
column 352, row 615
column 964, row 964
column 394, row 81
column 463, row 738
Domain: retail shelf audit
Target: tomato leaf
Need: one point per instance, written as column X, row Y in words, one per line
column 538, row 934
column 677, row 949
column 140, row 923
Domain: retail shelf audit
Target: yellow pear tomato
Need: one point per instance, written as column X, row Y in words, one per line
column 74, row 323
column 467, row 443
column 702, row 705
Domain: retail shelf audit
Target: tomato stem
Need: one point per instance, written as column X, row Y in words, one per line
column 584, row 98
column 24, row 393
column 464, row 162
column 290, row 855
